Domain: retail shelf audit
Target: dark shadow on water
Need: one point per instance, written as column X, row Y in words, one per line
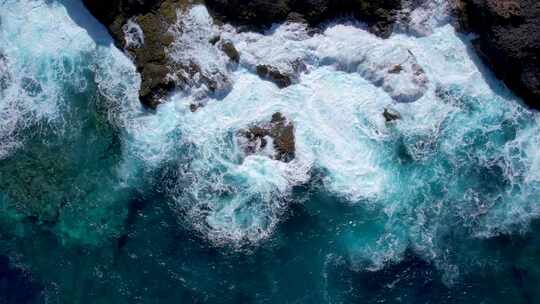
column 82, row 17
column 16, row 285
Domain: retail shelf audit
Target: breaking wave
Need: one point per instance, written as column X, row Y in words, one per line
column 462, row 158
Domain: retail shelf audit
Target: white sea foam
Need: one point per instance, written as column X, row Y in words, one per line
column 39, row 55
column 204, row 67
column 464, row 150
column 133, row 34
column 49, row 60
column 422, row 17
column 336, row 107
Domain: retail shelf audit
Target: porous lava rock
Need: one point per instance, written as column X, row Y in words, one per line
column 508, row 41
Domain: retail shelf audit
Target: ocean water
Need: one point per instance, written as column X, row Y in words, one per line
column 103, row 201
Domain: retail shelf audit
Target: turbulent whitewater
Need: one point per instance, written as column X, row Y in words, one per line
column 91, row 180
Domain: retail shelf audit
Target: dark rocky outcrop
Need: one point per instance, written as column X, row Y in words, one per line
column 380, row 15
column 273, row 74
column 142, row 29
column 391, row 115
column 281, row 77
column 508, row 41
column 154, row 17
column 279, row 130
column 230, row 50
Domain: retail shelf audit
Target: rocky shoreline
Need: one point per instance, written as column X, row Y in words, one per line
column 142, row 29
column 153, row 18
column 508, row 41
column 380, row 15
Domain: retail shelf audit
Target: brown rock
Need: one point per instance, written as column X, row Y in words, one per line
column 154, row 18
column 279, row 129
column 396, row 69
column 228, row 48
column 271, row 73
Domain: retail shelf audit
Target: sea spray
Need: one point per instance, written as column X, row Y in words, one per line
column 431, row 160
column 59, row 166
column 91, row 175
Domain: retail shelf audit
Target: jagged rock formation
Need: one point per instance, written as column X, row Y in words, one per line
column 143, row 29
column 380, row 15
column 508, row 41
column 271, row 73
column 279, row 131
column 281, row 78
column 391, row 115
column 151, row 32
column 153, row 17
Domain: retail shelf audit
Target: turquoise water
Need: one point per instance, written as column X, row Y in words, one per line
column 103, row 201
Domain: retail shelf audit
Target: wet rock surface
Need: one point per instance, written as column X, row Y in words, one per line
column 391, row 115
column 282, row 77
column 154, row 18
column 273, row 74
column 230, row 50
column 279, row 131
column 508, row 41
column 379, row 15
column 146, row 31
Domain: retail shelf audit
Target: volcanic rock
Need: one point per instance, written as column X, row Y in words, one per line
column 279, row 131
column 508, row 41
column 273, row 74
column 380, row 15
column 154, row 18
column 282, row 77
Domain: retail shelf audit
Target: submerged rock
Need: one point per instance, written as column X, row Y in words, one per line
column 508, row 41
column 402, row 77
column 379, row 15
column 279, row 131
